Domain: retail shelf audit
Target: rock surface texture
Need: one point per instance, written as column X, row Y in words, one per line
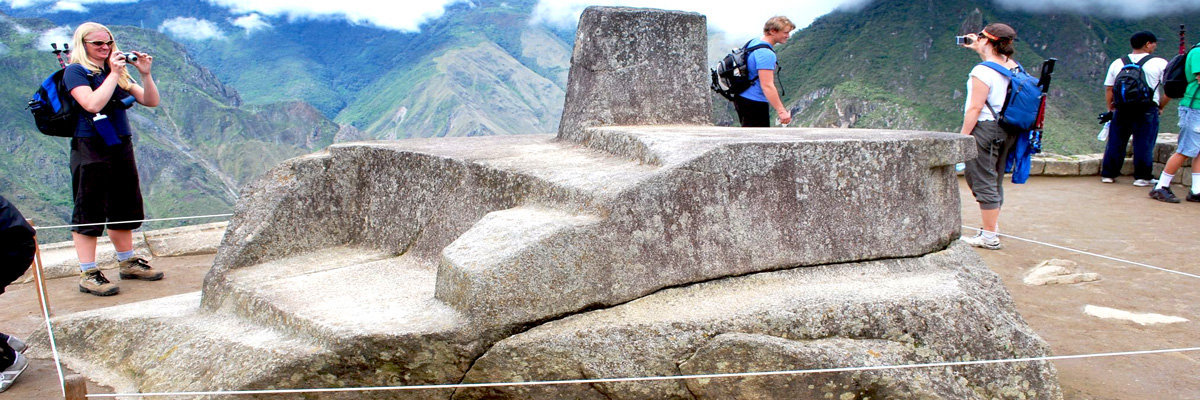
column 637, row 66
column 615, row 251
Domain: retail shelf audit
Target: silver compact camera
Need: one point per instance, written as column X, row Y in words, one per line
column 130, row 57
column 963, row 40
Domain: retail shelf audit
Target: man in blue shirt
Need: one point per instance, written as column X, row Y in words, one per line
column 754, row 105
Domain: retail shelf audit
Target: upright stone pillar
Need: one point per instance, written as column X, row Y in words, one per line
column 637, row 66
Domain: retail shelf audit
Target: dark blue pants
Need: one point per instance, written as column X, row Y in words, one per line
column 1142, row 127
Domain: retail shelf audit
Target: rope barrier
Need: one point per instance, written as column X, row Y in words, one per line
column 1093, row 254
column 656, row 378
column 130, row 222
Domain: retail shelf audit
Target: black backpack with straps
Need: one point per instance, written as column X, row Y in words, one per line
column 731, row 76
column 1175, row 79
column 1130, row 88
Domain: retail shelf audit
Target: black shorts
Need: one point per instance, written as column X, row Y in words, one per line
column 756, row 114
column 104, row 180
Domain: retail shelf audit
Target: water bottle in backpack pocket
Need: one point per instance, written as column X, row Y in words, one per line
column 1130, row 88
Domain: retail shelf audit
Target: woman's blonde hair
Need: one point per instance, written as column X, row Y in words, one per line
column 79, row 54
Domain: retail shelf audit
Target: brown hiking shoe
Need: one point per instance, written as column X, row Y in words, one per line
column 94, row 282
column 138, row 268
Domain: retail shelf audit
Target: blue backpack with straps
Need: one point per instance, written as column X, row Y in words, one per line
column 1023, row 102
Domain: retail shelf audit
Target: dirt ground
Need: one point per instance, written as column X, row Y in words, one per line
column 1116, row 220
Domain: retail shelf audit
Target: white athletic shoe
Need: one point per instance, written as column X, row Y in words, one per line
column 1107, row 180
column 982, row 242
column 1142, row 182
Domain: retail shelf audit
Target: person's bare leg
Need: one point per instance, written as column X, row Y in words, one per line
column 85, row 247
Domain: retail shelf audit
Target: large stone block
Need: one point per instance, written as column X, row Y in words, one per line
column 1090, row 164
column 636, row 66
column 896, row 312
column 1063, row 167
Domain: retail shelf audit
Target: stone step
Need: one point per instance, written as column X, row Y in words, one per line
column 159, row 341
column 541, row 157
column 337, row 293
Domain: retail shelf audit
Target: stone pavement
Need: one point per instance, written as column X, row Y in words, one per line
column 1117, row 220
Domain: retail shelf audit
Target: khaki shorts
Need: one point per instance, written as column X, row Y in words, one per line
column 985, row 174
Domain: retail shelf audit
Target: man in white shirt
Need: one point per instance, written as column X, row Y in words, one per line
column 1134, row 119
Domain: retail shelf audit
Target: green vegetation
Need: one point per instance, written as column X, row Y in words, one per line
column 894, row 64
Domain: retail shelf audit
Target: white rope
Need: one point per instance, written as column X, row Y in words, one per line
column 1093, row 254
column 62, row 382
column 129, row 222
column 653, row 378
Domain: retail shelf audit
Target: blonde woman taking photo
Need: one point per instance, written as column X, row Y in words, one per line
column 104, row 177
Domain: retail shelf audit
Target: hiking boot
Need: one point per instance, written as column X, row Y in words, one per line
column 1193, row 197
column 1164, row 195
column 1141, row 182
column 16, row 344
column 138, row 268
column 11, row 373
column 94, row 282
column 982, row 242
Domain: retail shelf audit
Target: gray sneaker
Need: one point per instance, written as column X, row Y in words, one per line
column 11, row 373
column 982, row 242
column 94, row 282
column 14, row 343
column 1142, row 182
column 138, row 268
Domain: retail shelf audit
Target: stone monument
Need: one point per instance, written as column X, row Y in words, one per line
column 637, row 242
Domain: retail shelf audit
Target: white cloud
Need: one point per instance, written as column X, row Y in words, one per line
column 737, row 21
column 191, row 28
column 1121, row 8
column 68, row 6
column 397, row 15
column 59, row 36
column 63, row 5
column 251, row 23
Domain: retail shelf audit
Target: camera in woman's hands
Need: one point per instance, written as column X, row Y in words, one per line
column 130, row 57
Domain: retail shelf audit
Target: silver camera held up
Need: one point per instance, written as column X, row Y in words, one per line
column 130, row 57
column 963, row 40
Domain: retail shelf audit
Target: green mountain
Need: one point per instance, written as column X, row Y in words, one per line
column 480, row 68
column 893, row 64
column 194, row 150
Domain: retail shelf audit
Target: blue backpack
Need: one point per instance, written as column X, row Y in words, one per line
column 1022, row 104
column 54, row 110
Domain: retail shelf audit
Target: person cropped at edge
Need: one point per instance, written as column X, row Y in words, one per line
column 987, row 87
column 1137, row 122
column 754, row 105
column 1189, row 136
column 16, row 254
column 104, row 178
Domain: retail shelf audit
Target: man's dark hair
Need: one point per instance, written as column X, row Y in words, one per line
column 1139, row 40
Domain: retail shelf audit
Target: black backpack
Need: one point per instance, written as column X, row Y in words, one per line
column 1130, row 88
column 54, row 110
column 731, row 77
column 1175, row 79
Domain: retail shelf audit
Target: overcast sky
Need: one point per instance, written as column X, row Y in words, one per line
column 736, row 21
